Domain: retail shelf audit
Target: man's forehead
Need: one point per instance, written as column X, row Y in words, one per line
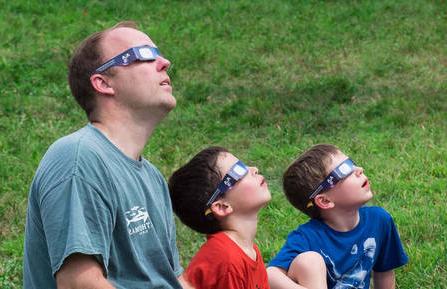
column 122, row 38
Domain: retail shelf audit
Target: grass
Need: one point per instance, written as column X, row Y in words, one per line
column 266, row 79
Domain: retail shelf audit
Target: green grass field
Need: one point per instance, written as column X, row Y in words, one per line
column 266, row 79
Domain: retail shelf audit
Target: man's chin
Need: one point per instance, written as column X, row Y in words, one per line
column 171, row 103
column 168, row 105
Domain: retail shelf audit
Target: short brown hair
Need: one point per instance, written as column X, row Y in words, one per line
column 192, row 185
column 86, row 58
column 304, row 175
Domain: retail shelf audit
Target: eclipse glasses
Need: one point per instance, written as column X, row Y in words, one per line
column 138, row 53
column 236, row 172
column 342, row 171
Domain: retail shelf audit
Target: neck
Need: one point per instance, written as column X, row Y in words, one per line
column 341, row 220
column 128, row 126
column 242, row 230
column 127, row 134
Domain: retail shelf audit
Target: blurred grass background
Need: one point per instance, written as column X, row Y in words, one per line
column 266, row 79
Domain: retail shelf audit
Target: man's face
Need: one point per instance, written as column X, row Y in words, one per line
column 141, row 86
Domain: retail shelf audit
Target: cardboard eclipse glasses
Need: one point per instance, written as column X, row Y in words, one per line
column 140, row 53
column 236, row 173
column 342, row 171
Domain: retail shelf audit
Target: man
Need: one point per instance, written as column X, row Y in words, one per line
column 99, row 214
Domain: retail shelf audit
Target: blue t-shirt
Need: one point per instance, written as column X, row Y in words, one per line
column 374, row 244
column 88, row 197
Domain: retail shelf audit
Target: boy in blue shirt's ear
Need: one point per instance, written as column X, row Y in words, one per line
column 352, row 240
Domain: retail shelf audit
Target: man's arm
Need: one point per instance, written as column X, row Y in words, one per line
column 278, row 279
column 384, row 280
column 81, row 271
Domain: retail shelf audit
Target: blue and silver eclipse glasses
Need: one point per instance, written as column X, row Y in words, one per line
column 141, row 53
column 342, row 171
column 236, row 172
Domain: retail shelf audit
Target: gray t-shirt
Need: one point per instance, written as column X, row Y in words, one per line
column 88, row 197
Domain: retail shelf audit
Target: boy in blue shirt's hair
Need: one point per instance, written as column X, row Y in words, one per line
column 352, row 240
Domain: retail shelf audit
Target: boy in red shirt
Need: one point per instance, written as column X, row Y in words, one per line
column 218, row 195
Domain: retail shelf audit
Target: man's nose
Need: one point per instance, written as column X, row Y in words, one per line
column 162, row 63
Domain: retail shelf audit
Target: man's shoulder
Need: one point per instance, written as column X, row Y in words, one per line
column 67, row 154
column 86, row 144
column 70, row 142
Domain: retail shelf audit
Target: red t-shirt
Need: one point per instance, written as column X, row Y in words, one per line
column 221, row 264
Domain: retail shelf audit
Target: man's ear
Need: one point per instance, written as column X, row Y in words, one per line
column 221, row 209
column 101, row 84
column 323, row 202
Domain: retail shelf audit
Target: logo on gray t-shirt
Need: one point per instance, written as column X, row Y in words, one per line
column 138, row 221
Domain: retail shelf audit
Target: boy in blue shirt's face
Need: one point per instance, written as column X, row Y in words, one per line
column 352, row 240
column 348, row 191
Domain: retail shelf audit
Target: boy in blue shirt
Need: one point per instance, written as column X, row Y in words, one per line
column 352, row 240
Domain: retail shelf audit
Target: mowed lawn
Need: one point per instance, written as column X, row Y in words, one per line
column 266, row 79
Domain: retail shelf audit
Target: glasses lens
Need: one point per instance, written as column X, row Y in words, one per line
column 239, row 171
column 148, row 53
column 346, row 169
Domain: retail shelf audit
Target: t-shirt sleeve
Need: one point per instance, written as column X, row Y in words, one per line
column 295, row 244
column 392, row 254
column 77, row 218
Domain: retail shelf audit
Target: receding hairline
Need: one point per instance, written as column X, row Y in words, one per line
column 109, row 34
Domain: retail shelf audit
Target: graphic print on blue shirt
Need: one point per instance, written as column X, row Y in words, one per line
column 354, row 277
